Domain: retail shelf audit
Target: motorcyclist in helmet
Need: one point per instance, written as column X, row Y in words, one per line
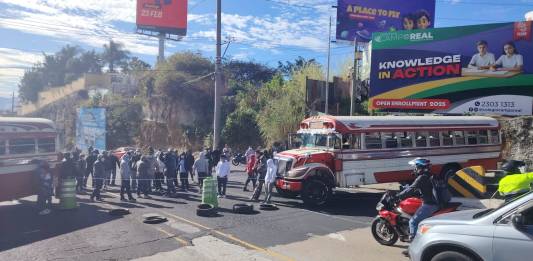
column 422, row 184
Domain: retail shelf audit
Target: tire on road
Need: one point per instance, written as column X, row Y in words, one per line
column 206, row 210
column 378, row 223
column 154, row 220
column 316, row 192
column 243, row 208
column 451, row 256
column 268, row 207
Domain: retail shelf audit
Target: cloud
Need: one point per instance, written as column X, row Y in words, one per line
column 13, row 63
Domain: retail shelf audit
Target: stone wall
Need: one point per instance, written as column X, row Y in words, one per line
column 518, row 139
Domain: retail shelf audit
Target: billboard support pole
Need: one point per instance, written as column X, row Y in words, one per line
column 161, row 56
column 327, row 70
column 218, row 80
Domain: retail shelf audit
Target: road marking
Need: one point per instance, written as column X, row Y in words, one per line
column 230, row 237
column 181, row 241
column 233, row 238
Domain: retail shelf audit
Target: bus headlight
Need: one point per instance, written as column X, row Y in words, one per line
column 297, row 172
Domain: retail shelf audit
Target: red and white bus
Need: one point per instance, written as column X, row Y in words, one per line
column 345, row 151
column 21, row 141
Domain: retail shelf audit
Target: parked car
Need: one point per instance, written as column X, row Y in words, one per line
column 501, row 234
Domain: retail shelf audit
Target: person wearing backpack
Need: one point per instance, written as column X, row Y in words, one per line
column 423, row 184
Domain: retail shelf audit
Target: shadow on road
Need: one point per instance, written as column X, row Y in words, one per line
column 342, row 203
column 21, row 225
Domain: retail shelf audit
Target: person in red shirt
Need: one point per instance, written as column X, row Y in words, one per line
column 250, row 170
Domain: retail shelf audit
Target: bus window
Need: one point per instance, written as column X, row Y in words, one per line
column 421, row 139
column 434, row 139
column 334, row 141
column 46, row 145
column 373, row 140
column 321, row 140
column 483, row 137
column 406, row 140
column 390, row 140
column 471, row 137
column 347, row 142
column 2, row 147
column 356, row 141
column 494, row 137
column 447, row 138
column 21, row 146
column 459, row 137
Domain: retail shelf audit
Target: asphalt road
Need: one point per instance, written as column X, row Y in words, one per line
column 340, row 230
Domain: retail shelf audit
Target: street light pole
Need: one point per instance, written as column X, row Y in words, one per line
column 327, row 70
column 354, row 77
column 218, row 78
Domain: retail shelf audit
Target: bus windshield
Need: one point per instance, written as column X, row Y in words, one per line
column 310, row 140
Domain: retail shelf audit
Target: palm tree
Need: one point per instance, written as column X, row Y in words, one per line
column 114, row 53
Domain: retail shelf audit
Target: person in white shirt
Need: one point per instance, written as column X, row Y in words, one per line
column 270, row 179
column 482, row 60
column 249, row 153
column 222, row 169
column 510, row 60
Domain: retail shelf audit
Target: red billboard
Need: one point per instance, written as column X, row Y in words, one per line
column 166, row 16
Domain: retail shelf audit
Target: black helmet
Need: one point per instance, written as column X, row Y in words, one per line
column 512, row 166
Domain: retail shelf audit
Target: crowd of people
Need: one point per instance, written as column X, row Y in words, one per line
column 158, row 172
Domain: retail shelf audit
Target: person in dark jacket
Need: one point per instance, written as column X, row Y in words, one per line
column 423, row 185
column 144, row 178
column 68, row 169
column 44, row 195
column 114, row 162
column 133, row 166
column 98, row 177
column 170, row 171
column 81, row 166
column 189, row 161
column 91, row 158
column 209, row 157
column 215, row 155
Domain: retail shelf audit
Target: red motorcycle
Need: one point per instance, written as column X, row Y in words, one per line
column 392, row 222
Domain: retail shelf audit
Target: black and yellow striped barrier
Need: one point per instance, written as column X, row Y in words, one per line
column 472, row 182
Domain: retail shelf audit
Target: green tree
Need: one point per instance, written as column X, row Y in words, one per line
column 283, row 103
column 114, row 54
column 241, row 129
column 135, row 65
column 31, row 84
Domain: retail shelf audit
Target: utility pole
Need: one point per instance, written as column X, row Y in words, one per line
column 161, row 56
column 13, row 103
column 218, row 78
column 327, row 70
column 354, row 77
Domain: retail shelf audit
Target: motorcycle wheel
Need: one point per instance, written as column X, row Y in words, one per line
column 383, row 232
column 235, row 162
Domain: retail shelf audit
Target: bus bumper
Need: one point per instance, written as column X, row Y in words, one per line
column 289, row 185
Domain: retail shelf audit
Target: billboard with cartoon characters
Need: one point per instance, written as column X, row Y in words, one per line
column 361, row 18
column 479, row 69
column 91, row 128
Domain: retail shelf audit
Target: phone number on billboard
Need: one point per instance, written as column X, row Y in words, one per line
column 495, row 104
